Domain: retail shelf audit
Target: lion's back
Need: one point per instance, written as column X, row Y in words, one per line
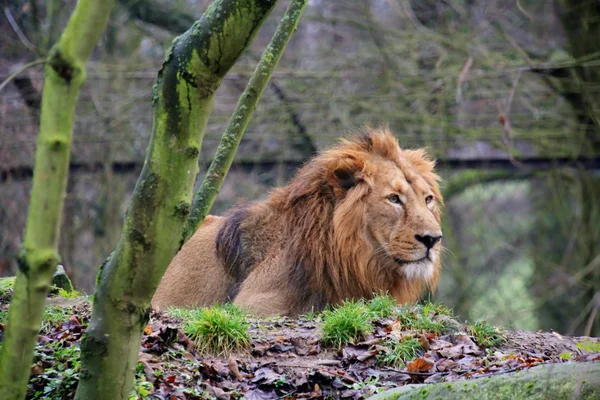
column 196, row 276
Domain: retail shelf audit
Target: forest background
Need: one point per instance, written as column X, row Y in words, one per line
column 504, row 93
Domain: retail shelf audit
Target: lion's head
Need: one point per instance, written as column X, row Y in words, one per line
column 365, row 217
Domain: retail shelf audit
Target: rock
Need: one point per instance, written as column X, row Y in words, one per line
column 549, row 381
column 61, row 280
column 450, row 324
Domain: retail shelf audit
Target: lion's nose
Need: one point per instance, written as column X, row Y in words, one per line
column 428, row 240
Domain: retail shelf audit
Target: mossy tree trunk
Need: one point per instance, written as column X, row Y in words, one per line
column 64, row 75
column 183, row 97
column 238, row 122
column 553, row 381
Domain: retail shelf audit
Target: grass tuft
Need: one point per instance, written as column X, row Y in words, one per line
column 417, row 319
column 6, row 287
column 401, row 352
column 69, row 295
column 430, row 309
column 184, row 314
column 218, row 329
column 589, row 346
column 486, row 335
column 54, row 316
column 346, row 323
column 382, row 305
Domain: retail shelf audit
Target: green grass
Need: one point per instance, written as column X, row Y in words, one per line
column 401, row 352
column 6, row 287
column 485, row 334
column 566, row 356
column 218, row 329
column 382, row 305
column 60, row 379
column 184, row 314
column 346, row 323
column 430, row 308
column 69, row 295
column 53, row 316
column 419, row 318
column 311, row 315
column 142, row 389
column 589, row 346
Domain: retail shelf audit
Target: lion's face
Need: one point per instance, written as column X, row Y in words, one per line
column 399, row 204
column 402, row 219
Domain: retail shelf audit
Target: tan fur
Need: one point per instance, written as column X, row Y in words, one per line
column 332, row 233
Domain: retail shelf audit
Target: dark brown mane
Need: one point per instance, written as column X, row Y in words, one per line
column 321, row 223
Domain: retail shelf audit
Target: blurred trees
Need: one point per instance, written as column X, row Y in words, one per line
column 567, row 249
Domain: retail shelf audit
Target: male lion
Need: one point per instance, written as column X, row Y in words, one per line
column 360, row 218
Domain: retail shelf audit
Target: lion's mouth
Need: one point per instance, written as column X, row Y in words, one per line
column 402, row 261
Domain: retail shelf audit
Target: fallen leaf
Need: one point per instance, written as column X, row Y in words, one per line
column 424, row 342
column 147, row 330
column 446, row 364
column 259, row 350
column 219, row 393
column 185, row 340
column 265, row 376
column 420, row 365
column 149, row 372
column 281, row 348
column 37, row 370
column 257, row 394
column 233, row 368
column 399, row 378
column 367, row 354
column 435, row 378
column 317, row 392
column 469, row 347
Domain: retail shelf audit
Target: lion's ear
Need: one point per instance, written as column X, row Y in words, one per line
column 343, row 174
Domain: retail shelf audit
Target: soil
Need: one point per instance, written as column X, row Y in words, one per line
column 287, row 359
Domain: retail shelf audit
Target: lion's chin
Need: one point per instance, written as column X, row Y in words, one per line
column 422, row 269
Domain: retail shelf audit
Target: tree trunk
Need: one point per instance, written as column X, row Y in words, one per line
column 553, row 381
column 183, row 97
column 238, row 122
column 64, row 75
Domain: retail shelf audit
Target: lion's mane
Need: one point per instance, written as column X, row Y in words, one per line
column 317, row 232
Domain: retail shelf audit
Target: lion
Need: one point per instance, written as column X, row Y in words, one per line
column 360, row 218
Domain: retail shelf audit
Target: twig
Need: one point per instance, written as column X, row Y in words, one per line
column 420, row 373
column 522, row 9
column 590, row 322
column 329, row 362
column 18, row 31
column 462, row 77
column 23, row 68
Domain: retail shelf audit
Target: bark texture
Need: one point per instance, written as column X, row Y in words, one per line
column 238, row 122
column 183, row 98
column 64, row 75
column 553, row 381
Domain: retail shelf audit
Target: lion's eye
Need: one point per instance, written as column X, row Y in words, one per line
column 428, row 199
column 394, row 198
